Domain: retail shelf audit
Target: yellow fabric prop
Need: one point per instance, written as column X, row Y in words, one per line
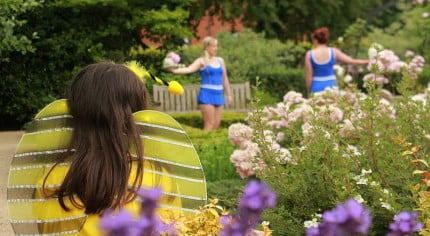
column 170, row 162
column 173, row 87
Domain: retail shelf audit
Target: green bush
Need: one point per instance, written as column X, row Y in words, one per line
column 70, row 36
column 214, row 154
column 279, row 80
column 196, row 120
column 228, row 191
column 336, row 146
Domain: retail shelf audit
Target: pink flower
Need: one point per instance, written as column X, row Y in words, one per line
column 238, row 133
column 280, row 136
column 175, row 57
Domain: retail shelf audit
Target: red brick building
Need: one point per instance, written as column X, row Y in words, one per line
column 208, row 26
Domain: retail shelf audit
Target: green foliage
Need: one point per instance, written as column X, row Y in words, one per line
column 72, row 34
column 371, row 161
column 214, row 155
column 294, row 19
column 12, row 41
column 228, row 191
column 279, row 80
column 248, row 54
column 195, row 119
column 411, row 32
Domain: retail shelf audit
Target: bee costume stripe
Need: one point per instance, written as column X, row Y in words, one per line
column 170, row 160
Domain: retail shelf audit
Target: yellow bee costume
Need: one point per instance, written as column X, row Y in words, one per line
column 166, row 145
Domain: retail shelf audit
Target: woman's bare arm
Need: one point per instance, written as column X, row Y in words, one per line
column 195, row 66
column 226, row 82
column 343, row 58
column 309, row 71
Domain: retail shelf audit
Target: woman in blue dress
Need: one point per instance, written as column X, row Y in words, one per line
column 319, row 62
column 214, row 81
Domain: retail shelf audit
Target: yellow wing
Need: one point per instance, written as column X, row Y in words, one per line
column 170, row 160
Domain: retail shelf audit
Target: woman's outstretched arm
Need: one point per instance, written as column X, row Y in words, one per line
column 196, row 65
column 343, row 58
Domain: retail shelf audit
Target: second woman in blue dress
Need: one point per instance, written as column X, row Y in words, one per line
column 319, row 62
column 214, row 81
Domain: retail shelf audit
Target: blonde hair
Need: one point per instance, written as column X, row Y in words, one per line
column 208, row 40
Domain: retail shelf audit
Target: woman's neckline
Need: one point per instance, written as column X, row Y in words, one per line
column 209, row 62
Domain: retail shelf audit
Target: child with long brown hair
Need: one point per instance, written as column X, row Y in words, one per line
column 91, row 153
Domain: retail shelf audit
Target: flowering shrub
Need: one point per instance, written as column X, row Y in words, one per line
column 211, row 219
column 338, row 144
column 351, row 218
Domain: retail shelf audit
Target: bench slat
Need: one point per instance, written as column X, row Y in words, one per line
column 187, row 102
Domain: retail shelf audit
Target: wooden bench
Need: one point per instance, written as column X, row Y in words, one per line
column 187, row 102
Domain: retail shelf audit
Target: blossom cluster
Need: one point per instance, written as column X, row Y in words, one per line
column 384, row 64
column 209, row 220
column 340, row 110
column 255, row 199
column 352, row 218
column 122, row 223
column 349, row 218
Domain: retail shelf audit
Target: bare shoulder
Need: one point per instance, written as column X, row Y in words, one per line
column 336, row 50
column 308, row 54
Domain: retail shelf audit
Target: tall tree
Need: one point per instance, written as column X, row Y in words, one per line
column 292, row 19
column 71, row 34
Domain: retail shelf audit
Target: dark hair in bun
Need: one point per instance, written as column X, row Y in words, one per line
column 321, row 35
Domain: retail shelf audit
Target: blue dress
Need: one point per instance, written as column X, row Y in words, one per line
column 323, row 73
column 212, row 89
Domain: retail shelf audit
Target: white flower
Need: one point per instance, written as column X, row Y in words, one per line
column 362, row 181
column 340, row 71
column 364, row 171
column 359, row 198
column 425, row 14
column 372, row 52
column 377, row 46
column 385, row 191
column 385, row 205
column 355, row 152
column 347, row 78
column 311, row 223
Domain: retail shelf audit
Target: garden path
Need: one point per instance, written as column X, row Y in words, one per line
column 8, row 142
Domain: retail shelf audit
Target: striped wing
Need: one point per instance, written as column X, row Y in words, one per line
column 165, row 144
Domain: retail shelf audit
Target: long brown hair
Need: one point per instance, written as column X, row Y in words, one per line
column 102, row 98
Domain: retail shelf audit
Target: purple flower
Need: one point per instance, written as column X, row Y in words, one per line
column 149, row 200
column 119, row 224
column 347, row 218
column 149, row 223
column 256, row 198
column 405, row 223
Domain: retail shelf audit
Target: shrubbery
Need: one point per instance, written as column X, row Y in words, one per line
column 336, row 145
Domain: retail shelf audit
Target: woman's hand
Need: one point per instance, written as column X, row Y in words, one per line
column 229, row 99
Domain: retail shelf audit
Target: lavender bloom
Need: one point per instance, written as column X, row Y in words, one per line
column 347, row 218
column 405, row 223
column 256, row 198
column 149, row 200
column 119, row 224
column 149, row 223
